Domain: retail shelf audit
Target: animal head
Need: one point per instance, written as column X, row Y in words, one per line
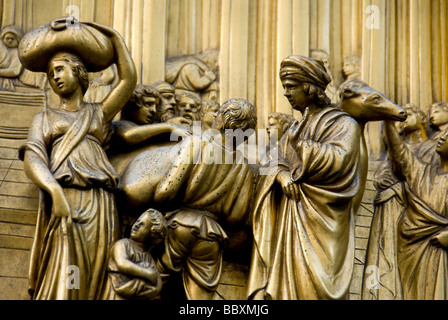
column 366, row 104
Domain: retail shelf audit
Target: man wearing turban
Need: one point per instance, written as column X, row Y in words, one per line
column 303, row 212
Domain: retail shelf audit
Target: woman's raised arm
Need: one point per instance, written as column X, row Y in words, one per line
column 127, row 75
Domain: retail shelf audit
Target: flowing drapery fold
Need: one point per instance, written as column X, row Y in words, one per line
column 305, row 249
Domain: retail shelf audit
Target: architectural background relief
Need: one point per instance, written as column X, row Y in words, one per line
column 402, row 48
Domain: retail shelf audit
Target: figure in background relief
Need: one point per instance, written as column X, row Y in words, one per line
column 137, row 130
column 189, row 107
column 280, row 122
column 13, row 77
column 132, row 268
column 166, row 110
column 100, row 84
column 206, row 186
column 438, row 118
column 423, row 226
column 351, row 68
column 65, row 157
column 209, row 110
column 331, row 90
column 303, row 214
column 389, row 204
column 195, row 74
column 413, row 129
column 277, row 125
column 137, row 124
column 167, row 107
column 142, row 106
column 10, row 66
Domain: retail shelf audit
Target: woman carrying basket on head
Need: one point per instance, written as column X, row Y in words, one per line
column 65, row 157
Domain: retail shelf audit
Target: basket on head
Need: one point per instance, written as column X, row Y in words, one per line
column 38, row 46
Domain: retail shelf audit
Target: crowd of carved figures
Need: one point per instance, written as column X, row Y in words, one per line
column 140, row 216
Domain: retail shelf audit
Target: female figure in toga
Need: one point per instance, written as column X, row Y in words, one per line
column 65, row 157
column 422, row 240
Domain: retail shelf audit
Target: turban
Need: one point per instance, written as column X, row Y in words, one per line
column 305, row 70
column 164, row 87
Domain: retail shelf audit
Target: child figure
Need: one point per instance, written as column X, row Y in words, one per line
column 132, row 269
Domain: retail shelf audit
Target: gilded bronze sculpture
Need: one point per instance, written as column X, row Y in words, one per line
column 280, row 122
column 290, row 221
column 221, row 50
column 422, row 228
column 366, row 104
column 351, row 68
column 195, row 74
column 208, row 111
column 100, row 84
column 132, row 269
column 138, row 118
column 10, row 66
column 277, row 125
column 188, row 107
column 389, row 204
column 303, row 211
column 13, row 76
column 438, row 118
column 204, row 182
column 331, row 90
column 64, row 156
column 167, row 107
column 138, row 128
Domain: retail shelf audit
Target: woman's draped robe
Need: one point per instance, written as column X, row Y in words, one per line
column 69, row 260
column 10, row 68
column 423, row 266
column 382, row 278
column 305, row 249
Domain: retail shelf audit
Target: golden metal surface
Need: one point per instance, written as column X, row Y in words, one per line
column 151, row 153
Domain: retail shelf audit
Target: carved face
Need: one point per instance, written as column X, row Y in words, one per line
column 10, row 40
column 274, row 124
column 141, row 229
column 147, row 111
column 439, row 116
column 62, row 78
column 218, row 122
column 296, row 95
column 208, row 118
column 167, row 108
column 188, row 108
column 412, row 122
column 322, row 56
column 442, row 145
column 349, row 68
